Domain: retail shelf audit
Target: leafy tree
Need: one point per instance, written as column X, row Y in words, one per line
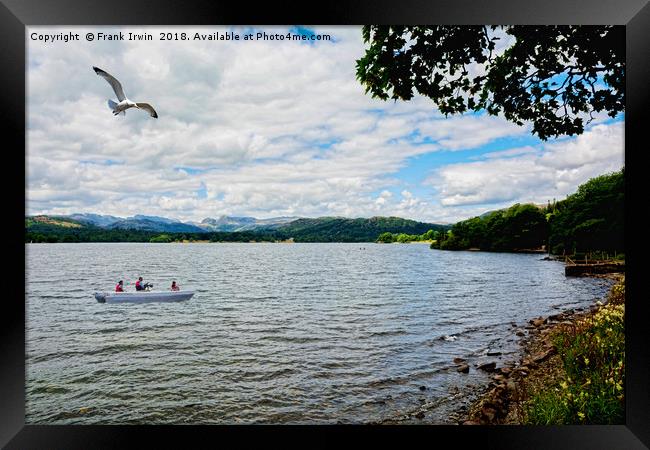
column 429, row 235
column 552, row 76
column 386, row 238
column 590, row 234
column 518, row 227
column 403, row 238
column 162, row 238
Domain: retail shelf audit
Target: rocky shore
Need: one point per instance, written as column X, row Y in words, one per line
column 540, row 366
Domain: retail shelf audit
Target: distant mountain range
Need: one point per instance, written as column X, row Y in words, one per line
column 231, row 223
column 140, row 228
column 164, row 224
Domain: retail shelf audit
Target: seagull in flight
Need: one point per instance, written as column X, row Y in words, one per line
column 124, row 103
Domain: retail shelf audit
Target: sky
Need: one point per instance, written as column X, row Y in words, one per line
column 269, row 128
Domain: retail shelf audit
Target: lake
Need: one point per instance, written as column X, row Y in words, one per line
column 276, row 333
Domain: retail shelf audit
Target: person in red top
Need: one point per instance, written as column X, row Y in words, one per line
column 119, row 287
column 142, row 286
column 175, row 287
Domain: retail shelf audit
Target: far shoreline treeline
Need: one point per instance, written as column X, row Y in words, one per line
column 52, row 229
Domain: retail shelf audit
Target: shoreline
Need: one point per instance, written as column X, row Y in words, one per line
column 503, row 399
column 500, row 401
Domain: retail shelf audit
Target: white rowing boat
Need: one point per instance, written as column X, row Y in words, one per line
column 143, row 296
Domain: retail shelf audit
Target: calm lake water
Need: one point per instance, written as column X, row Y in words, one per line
column 276, row 333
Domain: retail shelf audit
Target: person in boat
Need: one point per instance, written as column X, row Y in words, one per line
column 119, row 287
column 141, row 285
column 175, row 287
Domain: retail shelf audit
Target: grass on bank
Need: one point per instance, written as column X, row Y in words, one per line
column 593, row 357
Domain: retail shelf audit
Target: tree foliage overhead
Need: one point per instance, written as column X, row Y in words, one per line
column 556, row 77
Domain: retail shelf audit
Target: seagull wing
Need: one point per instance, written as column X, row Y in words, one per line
column 147, row 107
column 117, row 87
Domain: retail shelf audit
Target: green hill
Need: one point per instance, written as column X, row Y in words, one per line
column 51, row 229
column 339, row 229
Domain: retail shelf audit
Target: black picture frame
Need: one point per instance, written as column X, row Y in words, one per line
column 15, row 15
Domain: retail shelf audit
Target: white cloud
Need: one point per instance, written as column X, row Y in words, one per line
column 559, row 168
